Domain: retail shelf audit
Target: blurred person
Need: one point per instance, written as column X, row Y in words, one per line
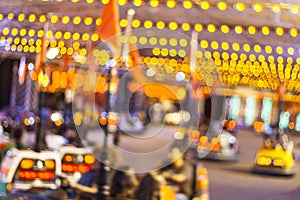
column 178, row 174
column 284, row 140
column 123, row 184
column 17, row 137
column 54, row 140
column 149, row 188
column 87, row 186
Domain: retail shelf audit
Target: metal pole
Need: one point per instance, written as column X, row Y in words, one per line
column 39, row 125
column 103, row 187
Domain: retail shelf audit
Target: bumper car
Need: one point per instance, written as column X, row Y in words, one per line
column 23, row 170
column 274, row 161
column 223, row 147
column 75, row 161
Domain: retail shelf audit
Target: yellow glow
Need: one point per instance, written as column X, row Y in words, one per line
column 5, row 31
column 70, row 51
column 1, row 16
column 85, row 37
column 16, row 40
column 154, row 3
column 98, row 21
column 171, row 3
column 257, row 48
column 222, row 5
column 252, row 30
column 238, row 29
column 65, row 19
column 225, row 46
column 186, row 26
column 122, row 2
column 31, row 32
column 58, row 34
column 211, row 28
column 225, row 55
column 133, row 39
column 268, row 49
column 54, row 19
column 32, row 18
column 246, row 47
column 182, row 53
column 50, row 164
column 291, row 51
column 265, row 30
column 88, row 20
column 156, row 51
column 21, row 17
column 240, row 6
column 294, row 9
column 279, row 50
column 49, row 34
column 136, row 23
column 164, row 52
column 276, row 8
column 76, row 45
column 123, row 22
column 261, row 58
column 153, row 40
column 148, row 24
column 10, row 16
column 234, row 56
column 61, row 44
column 224, row 29
column 143, row 40
column 214, row 45
column 31, row 42
column 67, row 35
column 293, row 32
column 23, row 32
column 76, row 20
column 183, row 42
column 198, row 27
column 187, row 4
column 90, row 1
column 14, row 31
column 205, row 5
column 173, row 25
column 53, row 43
column 76, row 36
column 63, row 50
column 236, row 46
column 204, row 44
column 173, row 42
column 279, row 31
column 252, row 57
column 163, row 41
column 43, row 18
column 257, row 7
column 137, row 2
column 26, row 164
column 173, row 52
column 95, row 37
column 271, row 59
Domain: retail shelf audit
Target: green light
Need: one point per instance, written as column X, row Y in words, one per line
column 284, row 120
column 234, row 108
column 266, row 110
column 250, row 111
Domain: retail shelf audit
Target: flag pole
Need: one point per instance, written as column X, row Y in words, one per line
column 125, row 50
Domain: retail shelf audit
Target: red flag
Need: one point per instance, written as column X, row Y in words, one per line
column 109, row 29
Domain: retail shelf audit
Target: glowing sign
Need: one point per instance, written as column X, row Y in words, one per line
column 266, row 110
column 250, row 111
